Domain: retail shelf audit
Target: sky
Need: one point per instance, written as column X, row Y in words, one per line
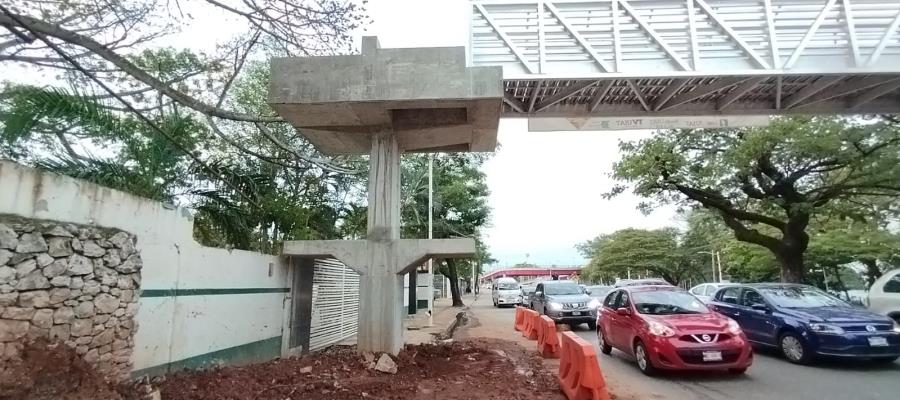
column 546, row 187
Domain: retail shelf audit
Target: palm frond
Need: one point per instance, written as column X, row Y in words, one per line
column 28, row 107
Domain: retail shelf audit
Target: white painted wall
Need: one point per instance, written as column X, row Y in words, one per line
column 170, row 328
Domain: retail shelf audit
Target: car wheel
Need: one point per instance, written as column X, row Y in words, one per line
column 737, row 371
column 605, row 348
column 643, row 359
column 794, row 348
column 884, row 360
column 592, row 325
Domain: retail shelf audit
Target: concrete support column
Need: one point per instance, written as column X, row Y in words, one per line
column 384, row 188
column 380, row 286
column 380, row 313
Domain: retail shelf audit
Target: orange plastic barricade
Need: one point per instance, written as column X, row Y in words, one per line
column 548, row 340
column 579, row 370
column 531, row 318
column 520, row 318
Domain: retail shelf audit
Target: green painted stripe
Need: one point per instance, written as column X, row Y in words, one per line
column 208, row 292
column 263, row 350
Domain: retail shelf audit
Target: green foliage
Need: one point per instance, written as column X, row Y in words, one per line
column 460, row 207
column 768, row 184
column 640, row 252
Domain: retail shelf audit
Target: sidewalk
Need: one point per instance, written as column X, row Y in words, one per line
column 417, row 331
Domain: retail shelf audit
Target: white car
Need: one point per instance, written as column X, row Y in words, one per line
column 706, row 291
column 506, row 291
column 884, row 295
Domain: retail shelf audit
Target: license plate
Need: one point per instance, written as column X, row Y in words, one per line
column 576, row 313
column 710, row 356
column 877, row 341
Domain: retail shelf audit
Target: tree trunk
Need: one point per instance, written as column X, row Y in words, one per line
column 453, row 276
column 872, row 270
column 791, row 266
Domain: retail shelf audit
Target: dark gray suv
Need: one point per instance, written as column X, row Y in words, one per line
column 565, row 302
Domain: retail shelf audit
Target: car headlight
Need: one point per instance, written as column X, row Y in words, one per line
column 826, row 329
column 733, row 327
column 555, row 306
column 658, row 329
column 594, row 303
column 896, row 327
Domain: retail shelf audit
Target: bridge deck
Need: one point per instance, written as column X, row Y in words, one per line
column 690, row 57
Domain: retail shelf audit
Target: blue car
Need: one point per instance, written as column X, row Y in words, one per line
column 805, row 322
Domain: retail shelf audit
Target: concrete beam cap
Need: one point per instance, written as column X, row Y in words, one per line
column 427, row 96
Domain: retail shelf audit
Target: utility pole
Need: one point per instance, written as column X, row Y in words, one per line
column 719, row 261
column 430, row 234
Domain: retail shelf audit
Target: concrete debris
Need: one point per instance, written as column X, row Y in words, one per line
column 386, row 364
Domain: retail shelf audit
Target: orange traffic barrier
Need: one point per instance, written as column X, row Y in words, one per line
column 548, row 339
column 530, row 328
column 531, row 318
column 520, row 318
column 579, row 370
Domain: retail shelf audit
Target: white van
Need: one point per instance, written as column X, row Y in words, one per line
column 506, row 291
column 884, row 295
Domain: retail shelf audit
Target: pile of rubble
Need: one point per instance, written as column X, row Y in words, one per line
column 479, row 369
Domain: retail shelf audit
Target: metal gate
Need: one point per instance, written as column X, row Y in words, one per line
column 335, row 304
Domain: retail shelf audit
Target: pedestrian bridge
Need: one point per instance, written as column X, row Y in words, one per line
column 656, row 58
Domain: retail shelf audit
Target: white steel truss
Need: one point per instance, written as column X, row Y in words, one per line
column 690, row 57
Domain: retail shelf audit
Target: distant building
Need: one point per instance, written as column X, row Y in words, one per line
column 533, row 273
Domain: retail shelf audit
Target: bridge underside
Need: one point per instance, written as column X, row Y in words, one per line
column 617, row 58
column 709, row 95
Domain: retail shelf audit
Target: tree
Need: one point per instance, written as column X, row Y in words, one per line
column 628, row 251
column 105, row 51
column 844, row 242
column 767, row 184
column 240, row 200
column 460, row 206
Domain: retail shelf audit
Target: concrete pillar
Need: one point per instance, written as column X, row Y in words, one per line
column 380, row 286
column 384, row 188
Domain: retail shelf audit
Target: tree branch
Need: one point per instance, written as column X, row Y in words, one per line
column 40, row 36
column 37, row 26
column 324, row 164
column 718, row 202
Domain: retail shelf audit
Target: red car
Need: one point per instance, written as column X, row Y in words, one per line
column 666, row 328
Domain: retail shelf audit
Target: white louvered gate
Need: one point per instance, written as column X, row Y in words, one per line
column 335, row 304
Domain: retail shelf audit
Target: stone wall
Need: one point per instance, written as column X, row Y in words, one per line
column 69, row 283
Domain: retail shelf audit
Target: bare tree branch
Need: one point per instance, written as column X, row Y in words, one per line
column 37, row 26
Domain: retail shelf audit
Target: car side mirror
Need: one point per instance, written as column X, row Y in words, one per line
column 623, row 311
column 759, row 307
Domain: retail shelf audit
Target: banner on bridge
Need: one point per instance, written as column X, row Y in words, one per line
column 626, row 123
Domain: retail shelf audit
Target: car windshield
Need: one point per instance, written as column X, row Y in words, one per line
column 507, row 286
column 801, row 297
column 562, row 289
column 598, row 291
column 664, row 302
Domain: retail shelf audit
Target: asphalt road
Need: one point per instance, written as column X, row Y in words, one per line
column 770, row 377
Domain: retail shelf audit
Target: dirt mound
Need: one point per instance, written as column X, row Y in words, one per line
column 53, row 371
column 477, row 369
